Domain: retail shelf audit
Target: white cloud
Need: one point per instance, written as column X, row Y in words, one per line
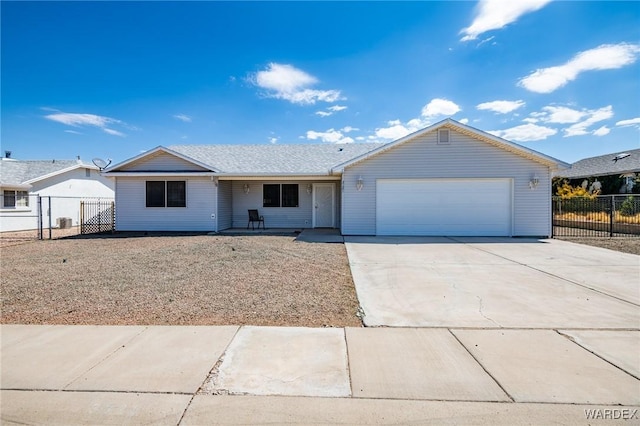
column 113, row 132
column 273, row 139
column 593, row 116
column 439, row 107
column 606, row 56
column 630, row 122
column 283, row 81
column 73, row 132
column 76, row 120
column 560, row 114
column 604, row 130
column 502, row 107
column 182, row 117
column 464, row 121
column 330, row 136
column 348, row 129
column 525, row 133
column 331, row 110
column 436, row 107
column 92, row 120
column 496, row 14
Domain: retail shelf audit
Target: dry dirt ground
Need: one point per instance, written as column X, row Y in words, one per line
column 177, row 279
column 623, row 244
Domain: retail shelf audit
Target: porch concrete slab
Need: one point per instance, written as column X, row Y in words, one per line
column 90, row 408
column 550, row 252
column 14, row 333
column 544, row 366
column 270, row 410
column 285, row 361
column 618, row 281
column 161, row 359
column 60, row 354
column 320, row 236
column 416, row 250
column 412, row 363
column 621, row 348
column 511, row 296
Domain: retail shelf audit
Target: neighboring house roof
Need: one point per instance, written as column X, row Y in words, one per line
column 21, row 173
column 603, row 165
column 267, row 160
column 449, row 123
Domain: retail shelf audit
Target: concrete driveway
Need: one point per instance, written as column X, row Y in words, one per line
column 494, row 283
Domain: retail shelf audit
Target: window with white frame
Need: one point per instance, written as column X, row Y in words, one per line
column 11, row 198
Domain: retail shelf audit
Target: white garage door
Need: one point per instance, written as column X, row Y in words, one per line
column 455, row 207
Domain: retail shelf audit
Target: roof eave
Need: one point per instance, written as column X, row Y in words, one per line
column 59, row 172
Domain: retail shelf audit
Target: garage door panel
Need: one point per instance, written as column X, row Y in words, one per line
column 456, row 207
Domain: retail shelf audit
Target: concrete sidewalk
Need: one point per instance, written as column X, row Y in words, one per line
column 251, row 375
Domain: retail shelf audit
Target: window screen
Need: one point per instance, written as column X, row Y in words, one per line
column 155, row 193
column 290, row 195
column 271, row 195
column 176, row 193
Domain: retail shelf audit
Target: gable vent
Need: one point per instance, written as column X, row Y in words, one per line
column 443, row 136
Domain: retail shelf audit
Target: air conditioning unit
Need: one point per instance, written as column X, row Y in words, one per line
column 64, row 222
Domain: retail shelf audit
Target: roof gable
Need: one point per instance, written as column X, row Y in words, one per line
column 160, row 159
column 448, row 123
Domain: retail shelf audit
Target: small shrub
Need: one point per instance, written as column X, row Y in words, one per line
column 628, row 207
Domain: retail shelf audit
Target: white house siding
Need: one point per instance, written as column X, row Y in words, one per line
column 66, row 191
column 133, row 215
column 162, row 162
column 464, row 157
column 225, row 210
column 277, row 217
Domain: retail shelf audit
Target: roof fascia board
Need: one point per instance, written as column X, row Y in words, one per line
column 159, row 174
column 155, row 150
column 455, row 125
column 59, row 172
column 16, row 186
column 271, row 176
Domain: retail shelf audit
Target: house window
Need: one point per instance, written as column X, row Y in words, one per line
column 280, row 195
column 15, row 199
column 172, row 193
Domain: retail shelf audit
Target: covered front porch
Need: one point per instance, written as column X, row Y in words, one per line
column 285, row 203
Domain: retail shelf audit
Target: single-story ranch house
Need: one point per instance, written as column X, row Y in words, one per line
column 67, row 182
column 447, row 179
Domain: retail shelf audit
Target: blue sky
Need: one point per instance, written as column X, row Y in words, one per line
column 113, row 79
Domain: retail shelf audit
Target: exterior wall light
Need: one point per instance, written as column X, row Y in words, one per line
column 246, row 188
column 359, row 183
column 533, row 183
column 309, row 188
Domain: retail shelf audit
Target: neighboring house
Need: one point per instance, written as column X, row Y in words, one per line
column 616, row 173
column 447, row 179
column 65, row 181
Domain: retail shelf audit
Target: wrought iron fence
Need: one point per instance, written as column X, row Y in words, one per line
column 603, row 216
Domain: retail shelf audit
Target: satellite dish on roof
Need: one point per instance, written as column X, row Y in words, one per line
column 100, row 163
column 620, row 156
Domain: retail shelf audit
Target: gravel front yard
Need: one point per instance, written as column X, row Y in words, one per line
column 171, row 279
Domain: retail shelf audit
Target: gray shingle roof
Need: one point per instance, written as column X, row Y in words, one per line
column 16, row 172
column 604, row 165
column 292, row 159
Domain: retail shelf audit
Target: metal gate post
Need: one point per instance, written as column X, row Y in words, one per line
column 40, row 233
column 82, row 217
column 50, row 226
column 113, row 217
column 612, row 214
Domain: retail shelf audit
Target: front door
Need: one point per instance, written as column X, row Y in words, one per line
column 323, row 205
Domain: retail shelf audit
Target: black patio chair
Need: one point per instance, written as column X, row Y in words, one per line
column 253, row 218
